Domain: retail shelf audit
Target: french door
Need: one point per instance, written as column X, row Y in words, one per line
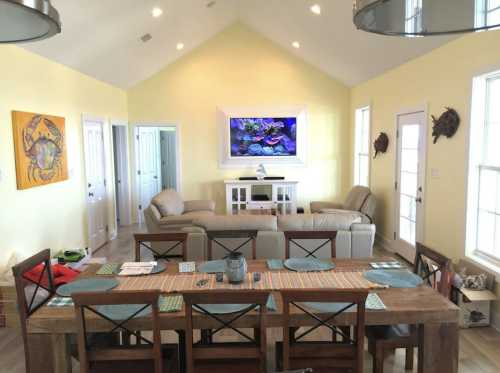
column 410, row 182
column 93, row 137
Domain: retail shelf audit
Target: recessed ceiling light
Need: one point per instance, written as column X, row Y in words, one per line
column 296, row 44
column 157, row 12
column 180, row 46
column 316, row 9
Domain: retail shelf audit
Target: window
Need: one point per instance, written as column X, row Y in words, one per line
column 483, row 216
column 413, row 16
column 362, row 147
column 487, row 12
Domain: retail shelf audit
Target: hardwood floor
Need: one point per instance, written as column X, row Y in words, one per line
column 479, row 347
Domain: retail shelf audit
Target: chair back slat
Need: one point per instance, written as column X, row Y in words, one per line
column 292, row 236
column 146, row 239
column 348, row 353
column 85, row 302
column 255, row 349
column 429, row 264
column 34, row 287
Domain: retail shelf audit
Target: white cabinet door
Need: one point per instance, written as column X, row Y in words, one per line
column 96, row 182
column 149, row 170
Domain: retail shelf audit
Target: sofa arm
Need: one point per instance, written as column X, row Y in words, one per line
column 316, row 207
column 201, row 205
column 363, row 238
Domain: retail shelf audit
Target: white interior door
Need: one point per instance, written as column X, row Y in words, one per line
column 121, row 175
column 168, row 159
column 96, row 182
column 148, row 166
column 410, row 182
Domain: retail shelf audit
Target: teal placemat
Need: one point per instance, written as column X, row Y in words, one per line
column 394, row 278
column 212, row 266
column 171, row 303
column 373, row 302
column 222, row 309
column 123, row 311
column 308, row 265
column 87, row 285
column 109, row 269
column 275, row 264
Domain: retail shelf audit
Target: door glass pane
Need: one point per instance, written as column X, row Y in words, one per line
column 409, row 183
column 235, row 209
column 410, row 136
column 405, row 230
column 234, row 194
column 409, row 160
column 363, row 170
column 243, row 194
column 493, row 150
column 408, row 207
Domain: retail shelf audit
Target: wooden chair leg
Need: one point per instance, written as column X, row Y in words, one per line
column 378, row 358
column 254, row 248
column 347, row 331
column 209, row 249
column 409, row 358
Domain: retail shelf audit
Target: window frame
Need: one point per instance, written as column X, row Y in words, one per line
column 477, row 154
column 483, row 10
column 414, row 21
column 358, row 153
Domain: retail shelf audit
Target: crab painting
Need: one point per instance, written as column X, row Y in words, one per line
column 44, row 150
column 40, row 149
column 446, row 125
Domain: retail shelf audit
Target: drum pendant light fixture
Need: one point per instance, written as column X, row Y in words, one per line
column 27, row 20
column 414, row 18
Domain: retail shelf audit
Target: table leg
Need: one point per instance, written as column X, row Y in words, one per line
column 438, row 348
column 61, row 352
column 182, row 351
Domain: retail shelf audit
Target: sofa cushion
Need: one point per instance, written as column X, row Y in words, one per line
column 363, row 218
column 237, row 222
column 169, row 202
column 356, row 198
column 190, row 206
column 186, row 219
column 318, row 222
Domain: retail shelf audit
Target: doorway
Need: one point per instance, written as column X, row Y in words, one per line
column 410, row 182
column 157, row 162
column 121, row 175
column 95, row 171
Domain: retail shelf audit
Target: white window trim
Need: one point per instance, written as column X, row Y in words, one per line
column 475, row 163
column 355, row 153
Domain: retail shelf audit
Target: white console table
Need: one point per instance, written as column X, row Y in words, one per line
column 278, row 195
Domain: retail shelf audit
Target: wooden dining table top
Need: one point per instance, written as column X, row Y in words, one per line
column 420, row 305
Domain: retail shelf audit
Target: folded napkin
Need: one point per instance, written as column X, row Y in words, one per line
column 386, row 265
column 109, row 269
column 60, row 302
column 275, row 264
column 171, row 303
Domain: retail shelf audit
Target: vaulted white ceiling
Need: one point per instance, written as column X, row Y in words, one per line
column 101, row 38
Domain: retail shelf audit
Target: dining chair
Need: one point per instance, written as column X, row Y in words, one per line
column 291, row 237
column 146, row 240
column 247, row 356
column 436, row 271
column 249, row 236
column 150, row 356
column 34, row 287
column 322, row 356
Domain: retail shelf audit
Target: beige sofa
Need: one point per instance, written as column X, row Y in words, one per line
column 360, row 201
column 167, row 213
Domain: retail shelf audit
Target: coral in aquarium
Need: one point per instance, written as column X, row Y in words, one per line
column 263, row 137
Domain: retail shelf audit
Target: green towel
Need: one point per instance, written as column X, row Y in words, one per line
column 275, row 264
column 171, row 303
column 109, row 269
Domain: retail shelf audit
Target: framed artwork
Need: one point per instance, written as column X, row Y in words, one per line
column 40, row 149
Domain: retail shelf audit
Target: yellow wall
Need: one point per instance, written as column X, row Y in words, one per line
column 240, row 68
column 438, row 79
column 51, row 216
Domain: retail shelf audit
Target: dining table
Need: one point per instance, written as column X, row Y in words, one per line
column 50, row 329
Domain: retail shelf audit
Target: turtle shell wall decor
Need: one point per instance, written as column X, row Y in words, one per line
column 446, row 125
column 381, row 144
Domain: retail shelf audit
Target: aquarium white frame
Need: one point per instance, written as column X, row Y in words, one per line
column 224, row 116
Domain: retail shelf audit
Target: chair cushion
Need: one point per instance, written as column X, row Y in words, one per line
column 169, row 203
column 356, row 198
